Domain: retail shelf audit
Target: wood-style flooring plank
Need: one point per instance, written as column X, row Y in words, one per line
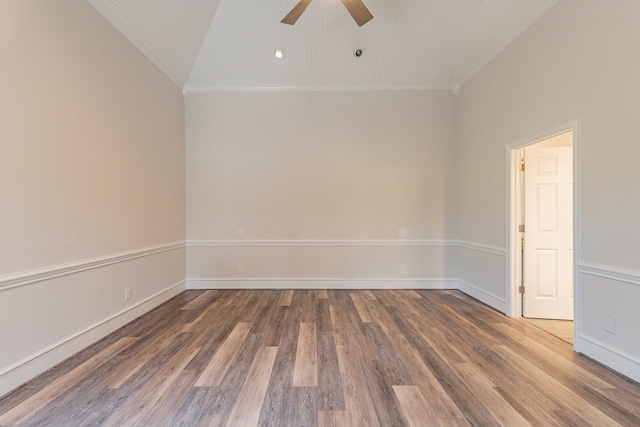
column 246, row 410
column 330, row 395
column 414, row 406
column 285, row 298
column 302, row 407
column 358, row 403
column 323, row 315
column 322, row 294
column 223, row 358
column 199, row 300
column 308, row 309
column 289, row 328
column 305, row 373
column 361, row 306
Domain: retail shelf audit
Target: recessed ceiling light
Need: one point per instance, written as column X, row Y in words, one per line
column 358, row 52
column 278, row 52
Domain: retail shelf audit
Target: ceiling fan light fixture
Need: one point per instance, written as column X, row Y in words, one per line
column 356, row 8
column 278, row 52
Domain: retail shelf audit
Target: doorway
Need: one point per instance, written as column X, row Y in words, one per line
column 542, row 199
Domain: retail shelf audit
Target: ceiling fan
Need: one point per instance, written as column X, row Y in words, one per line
column 356, row 8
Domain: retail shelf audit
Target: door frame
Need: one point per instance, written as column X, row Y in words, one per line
column 514, row 298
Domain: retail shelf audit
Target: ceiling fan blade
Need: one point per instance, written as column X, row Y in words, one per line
column 295, row 13
column 359, row 11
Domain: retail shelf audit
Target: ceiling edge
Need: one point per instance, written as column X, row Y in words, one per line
column 510, row 40
column 113, row 20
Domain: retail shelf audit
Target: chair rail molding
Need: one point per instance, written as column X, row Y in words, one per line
column 47, row 273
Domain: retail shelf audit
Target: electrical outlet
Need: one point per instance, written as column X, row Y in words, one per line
column 127, row 294
column 240, row 232
column 403, row 269
column 240, row 268
column 402, row 232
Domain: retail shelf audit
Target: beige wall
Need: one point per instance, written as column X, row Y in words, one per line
column 579, row 61
column 309, row 173
column 91, row 173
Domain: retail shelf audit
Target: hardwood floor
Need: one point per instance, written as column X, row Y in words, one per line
column 326, row 358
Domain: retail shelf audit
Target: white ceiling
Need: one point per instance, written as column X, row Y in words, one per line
column 410, row 44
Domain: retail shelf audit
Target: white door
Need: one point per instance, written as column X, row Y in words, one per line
column 548, row 236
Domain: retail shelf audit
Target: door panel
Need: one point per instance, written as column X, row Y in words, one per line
column 548, row 247
column 547, row 265
column 547, row 205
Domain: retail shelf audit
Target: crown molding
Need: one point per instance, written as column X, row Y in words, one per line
column 455, row 88
column 372, row 242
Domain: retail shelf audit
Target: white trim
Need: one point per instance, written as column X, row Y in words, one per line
column 514, row 299
column 390, row 242
column 455, row 88
column 48, row 273
column 320, row 283
column 615, row 359
column 494, row 250
column 577, row 235
column 483, row 296
column 613, row 273
column 18, row 373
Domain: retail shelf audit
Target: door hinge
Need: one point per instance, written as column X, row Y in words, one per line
column 522, row 166
column 521, row 289
column 521, row 228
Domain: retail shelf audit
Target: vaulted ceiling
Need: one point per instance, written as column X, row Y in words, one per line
column 410, row 44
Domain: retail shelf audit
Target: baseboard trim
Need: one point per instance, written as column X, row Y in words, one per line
column 483, row 296
column 42, row 274
column 320, row 283
column 621, row 362
column 24, row 370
